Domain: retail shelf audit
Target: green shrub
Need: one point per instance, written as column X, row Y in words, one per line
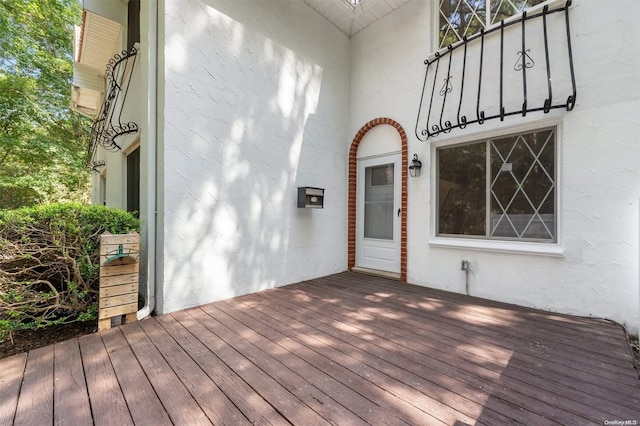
column 49, row 262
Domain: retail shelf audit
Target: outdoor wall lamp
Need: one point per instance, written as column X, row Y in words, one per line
column 415, row 166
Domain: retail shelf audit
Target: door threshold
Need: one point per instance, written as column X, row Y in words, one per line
column 376, row 272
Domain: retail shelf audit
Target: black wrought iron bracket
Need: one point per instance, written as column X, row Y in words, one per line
column 439, row 113
column 108, row 125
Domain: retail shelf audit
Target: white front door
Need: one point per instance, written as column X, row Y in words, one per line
column 378, row 221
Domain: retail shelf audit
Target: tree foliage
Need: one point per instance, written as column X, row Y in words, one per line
column 41, row 139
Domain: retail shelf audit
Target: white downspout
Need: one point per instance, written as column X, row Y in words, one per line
column 151, row 143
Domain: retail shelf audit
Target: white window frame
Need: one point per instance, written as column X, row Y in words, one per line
column 555, row 249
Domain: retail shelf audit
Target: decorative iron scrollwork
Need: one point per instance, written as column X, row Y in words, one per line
column 446, row 87
column 96, row 165
column 524, row 60
column 478, row 94
column 108, row 125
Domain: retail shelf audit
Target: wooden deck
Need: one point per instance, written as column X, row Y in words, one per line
column 344, row 349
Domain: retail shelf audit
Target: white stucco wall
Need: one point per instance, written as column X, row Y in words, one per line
column 255, row 105
column 593, row 271
column 380, row 140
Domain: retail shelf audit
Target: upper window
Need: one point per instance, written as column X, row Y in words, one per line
column 133, row 23
column 102, row 189
column 133, row 182
column 459, row 18
column 503, row 188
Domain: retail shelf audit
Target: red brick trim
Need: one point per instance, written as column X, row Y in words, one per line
column 352, row 201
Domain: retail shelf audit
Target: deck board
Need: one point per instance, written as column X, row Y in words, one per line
column 108, row 405
column 381, row 388
column 176, row 399
column 342, row 349
column 209, row 397
column 185, row 331
column 35, row 406
column 11, row 376
column 328, row 359
column 523, row 365
column 404, row 355
column 491, row 343
column 315, row 367
column 71, row 400
column 399, row 357
column 553, row 332
column 518, row 391
column 141, row 399
column 381, row 369
column 275, row 361
column 248, row 364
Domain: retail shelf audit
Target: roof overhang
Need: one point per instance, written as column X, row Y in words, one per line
column 94, row 44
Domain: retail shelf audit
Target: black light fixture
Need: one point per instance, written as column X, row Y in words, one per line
column 415, row 166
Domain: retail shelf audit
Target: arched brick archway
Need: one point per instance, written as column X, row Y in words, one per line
column 353, row 179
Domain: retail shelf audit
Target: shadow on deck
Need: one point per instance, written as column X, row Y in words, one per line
column 343, row 349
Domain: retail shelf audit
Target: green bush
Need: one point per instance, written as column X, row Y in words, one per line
column 49, row 262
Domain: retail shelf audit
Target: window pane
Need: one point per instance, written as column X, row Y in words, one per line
column 520, row 185
column 133, row 23
column 502, row 9
column 102, row 190
column 461, row 190
column 523, row 186
column 133, row 182
column 460, row 17
column 467, row 17
column 381, row 175
column 378, row 202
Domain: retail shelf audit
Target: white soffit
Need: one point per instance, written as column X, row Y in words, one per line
column 99, row 41
column 95, row 43
column 351, row 16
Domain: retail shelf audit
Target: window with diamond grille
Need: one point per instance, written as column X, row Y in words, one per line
column 459, row 18
column 502, row 188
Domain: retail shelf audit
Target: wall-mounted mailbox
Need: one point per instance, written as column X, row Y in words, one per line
column 309, row 197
